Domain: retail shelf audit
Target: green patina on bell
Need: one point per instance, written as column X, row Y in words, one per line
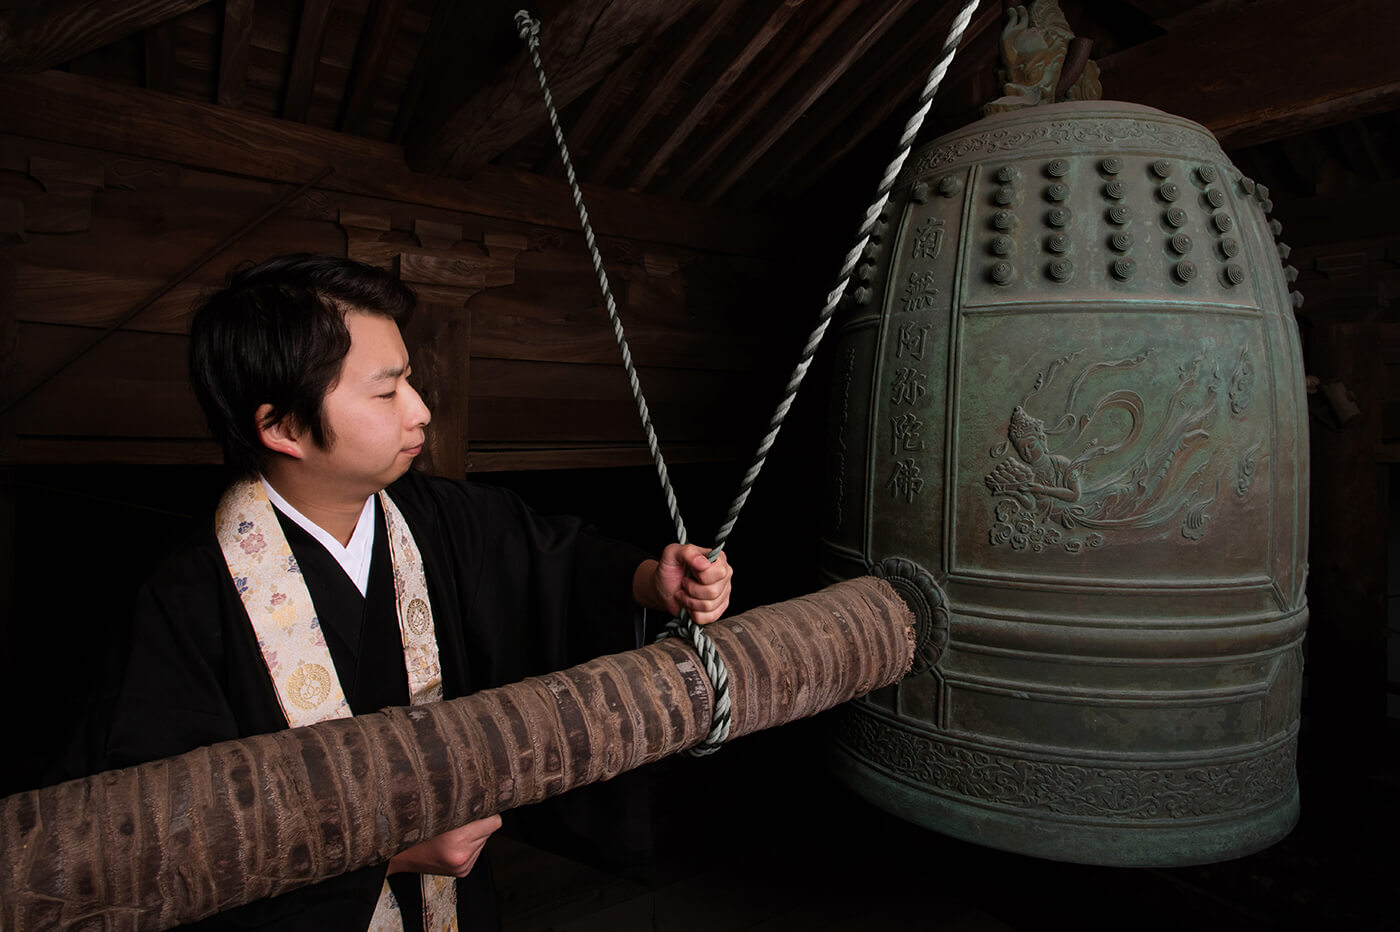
column 1068, row 424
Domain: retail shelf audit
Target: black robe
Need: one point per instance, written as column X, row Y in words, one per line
column 513, row 595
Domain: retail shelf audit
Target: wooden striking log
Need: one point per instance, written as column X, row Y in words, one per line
column 172, row 841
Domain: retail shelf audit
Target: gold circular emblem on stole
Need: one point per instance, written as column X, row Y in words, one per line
column 418, row 617
column 309, row 685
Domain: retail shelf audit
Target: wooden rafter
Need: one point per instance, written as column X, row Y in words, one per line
column 38, row 36
column 376, row 41
column 234, row 45
column 1378, row 166
column 657, row 93
column 160, row 57
column 620, row 92
column 301, row 79
column 435, row 45
column 802, row 93
column 581, row 43
column 898, row 97
column 710, row 89
column 594, row 116
column 899, row 52
column 764, row 88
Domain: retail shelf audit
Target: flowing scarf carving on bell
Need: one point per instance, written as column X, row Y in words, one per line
column 1121, row 479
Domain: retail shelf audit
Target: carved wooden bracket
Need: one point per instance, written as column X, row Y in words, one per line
column 442, row 267
column 660, row 264
column 363, row 241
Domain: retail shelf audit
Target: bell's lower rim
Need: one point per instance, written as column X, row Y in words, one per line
column 1209, row 840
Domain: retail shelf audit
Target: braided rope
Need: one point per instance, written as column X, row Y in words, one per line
column 848, row 266
column 684, row 625
column 529, row 30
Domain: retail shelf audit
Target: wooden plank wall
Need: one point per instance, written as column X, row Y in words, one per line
column 103, row 200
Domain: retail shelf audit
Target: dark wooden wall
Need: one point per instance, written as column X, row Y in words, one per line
column 107, row 193
column 1345, row 243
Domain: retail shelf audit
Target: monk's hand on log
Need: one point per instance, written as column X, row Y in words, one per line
column 685, row 578
column 451, row 854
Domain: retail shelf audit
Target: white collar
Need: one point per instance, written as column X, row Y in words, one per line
column 354, row 558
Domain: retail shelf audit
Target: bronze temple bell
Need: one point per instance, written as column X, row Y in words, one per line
column 1068, row 423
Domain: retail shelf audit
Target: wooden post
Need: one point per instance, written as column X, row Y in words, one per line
column 439, row 339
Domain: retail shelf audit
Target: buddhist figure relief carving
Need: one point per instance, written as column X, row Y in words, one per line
column 1107, row 461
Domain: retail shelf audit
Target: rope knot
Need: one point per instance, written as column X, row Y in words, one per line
column 527, row 26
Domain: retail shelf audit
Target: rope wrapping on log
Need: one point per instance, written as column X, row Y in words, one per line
column 173, row 841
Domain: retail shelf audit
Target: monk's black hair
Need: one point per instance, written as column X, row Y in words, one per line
column 275, row 334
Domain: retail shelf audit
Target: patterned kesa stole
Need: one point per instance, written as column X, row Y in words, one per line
column 267, row 577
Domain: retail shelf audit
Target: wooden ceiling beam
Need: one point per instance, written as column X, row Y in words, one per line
column 301, row 78
column 658, row 93
column 234, row 44
column 794, row 102
column 78, row 111
column 710, row 89
column 38, row 36
column 1261, row 71
column 1184, row 15
column 900, row 52
column 377, row 39
column 580, row 43
column 765, row 87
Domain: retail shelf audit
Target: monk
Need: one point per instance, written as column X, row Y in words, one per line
column 335, row 580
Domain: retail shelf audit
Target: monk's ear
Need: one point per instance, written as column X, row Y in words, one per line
column 279, row 436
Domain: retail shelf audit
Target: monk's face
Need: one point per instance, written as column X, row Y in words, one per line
column 374, row 419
